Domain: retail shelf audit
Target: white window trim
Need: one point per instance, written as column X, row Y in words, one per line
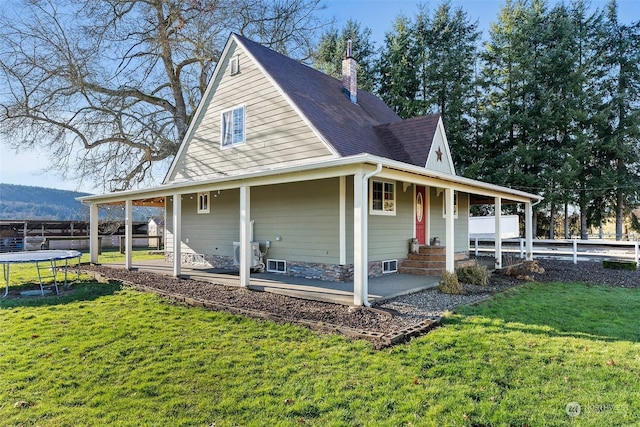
column 244, row 124
column 389, row 261
column 234, row 65
column 204, row 207
column 382, row 212
column 276, row 261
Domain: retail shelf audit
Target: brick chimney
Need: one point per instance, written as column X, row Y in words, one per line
column 349, row 77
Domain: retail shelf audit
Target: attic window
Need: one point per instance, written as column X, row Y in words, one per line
column 234, row 65
column 232, row 127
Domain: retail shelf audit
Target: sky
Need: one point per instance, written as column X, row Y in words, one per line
column 27, row 168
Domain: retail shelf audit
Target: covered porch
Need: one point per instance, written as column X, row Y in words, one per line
column 351, row 201
column 380, row 288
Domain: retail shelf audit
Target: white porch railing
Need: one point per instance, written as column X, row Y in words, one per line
column 563, row 248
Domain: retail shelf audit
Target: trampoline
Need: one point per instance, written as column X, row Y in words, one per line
column 49, row 258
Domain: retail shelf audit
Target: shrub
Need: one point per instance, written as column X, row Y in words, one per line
column 449, row 283
column 475, row 274
column 522, row 271
column 619, row 264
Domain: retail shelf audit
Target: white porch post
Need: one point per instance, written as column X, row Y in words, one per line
column 245, row 231
column 94, row 241
column 360, row 253
column 177, row 234
column 528, row 231
column 498, row 235
column 449, row 231
column 343, row 219
column 128, row 231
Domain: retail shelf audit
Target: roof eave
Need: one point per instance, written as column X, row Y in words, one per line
column 350, row 161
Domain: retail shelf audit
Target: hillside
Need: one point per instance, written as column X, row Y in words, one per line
column 22, row 202
column 27, row 202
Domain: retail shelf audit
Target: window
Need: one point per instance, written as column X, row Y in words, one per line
column 455, row 205
column 232, row 127
column 389, row 266
column 234, row 65
column 203, row 202
column 276, row 266
column 383, row 198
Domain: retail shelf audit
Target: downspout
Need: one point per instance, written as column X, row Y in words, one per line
column 529, row 229
column 365, row 220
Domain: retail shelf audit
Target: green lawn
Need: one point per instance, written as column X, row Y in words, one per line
column 106, row 355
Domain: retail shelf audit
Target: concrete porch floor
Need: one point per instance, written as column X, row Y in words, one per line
column 380, row 288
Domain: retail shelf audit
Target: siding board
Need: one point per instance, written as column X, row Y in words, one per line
column 389, row 235
column 460, row 224
column 275, row 134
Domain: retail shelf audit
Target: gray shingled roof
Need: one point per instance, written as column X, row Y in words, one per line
column 410, row 140
column 369, row 126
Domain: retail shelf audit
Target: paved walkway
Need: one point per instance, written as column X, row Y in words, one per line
column 380, row 288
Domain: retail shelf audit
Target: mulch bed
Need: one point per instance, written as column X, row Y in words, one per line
column 379, row 325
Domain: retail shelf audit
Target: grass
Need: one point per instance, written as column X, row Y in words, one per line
column 107, row 355
column 25, row 277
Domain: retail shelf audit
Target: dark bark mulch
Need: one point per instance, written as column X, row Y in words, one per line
column 370, row 321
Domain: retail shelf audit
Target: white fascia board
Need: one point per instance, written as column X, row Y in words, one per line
column 454, row 181
column 320, row 170
column 341, row 166
column 290, row 101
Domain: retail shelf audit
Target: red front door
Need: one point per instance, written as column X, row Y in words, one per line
column 421, row 215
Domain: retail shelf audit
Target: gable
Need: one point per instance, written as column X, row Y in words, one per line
column 409, row 140
column 439, row 158
column 347, row 127
column 276, row 134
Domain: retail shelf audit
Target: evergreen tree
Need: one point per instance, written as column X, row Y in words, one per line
column 332, row 49
column 446, row 49
column 398, row 80
column 621, row 102
column 536, row 135
column 427, row 66
column 589, row 171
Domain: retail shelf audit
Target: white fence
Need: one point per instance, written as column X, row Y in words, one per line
column 574, row 248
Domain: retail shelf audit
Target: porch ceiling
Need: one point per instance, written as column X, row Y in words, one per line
column 156, row 202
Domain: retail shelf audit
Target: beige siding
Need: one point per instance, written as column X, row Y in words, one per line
column 389, row 235
column 303, row 215
column 212, row 233
column 275, row 133
column 437, row 220
column 300, row 219
column 349, row 219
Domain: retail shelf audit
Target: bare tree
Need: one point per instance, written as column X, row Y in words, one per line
column 108, row 87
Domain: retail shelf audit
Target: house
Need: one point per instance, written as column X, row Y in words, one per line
column 310, row 176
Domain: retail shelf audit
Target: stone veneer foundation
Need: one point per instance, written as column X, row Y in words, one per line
column 308, row 270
